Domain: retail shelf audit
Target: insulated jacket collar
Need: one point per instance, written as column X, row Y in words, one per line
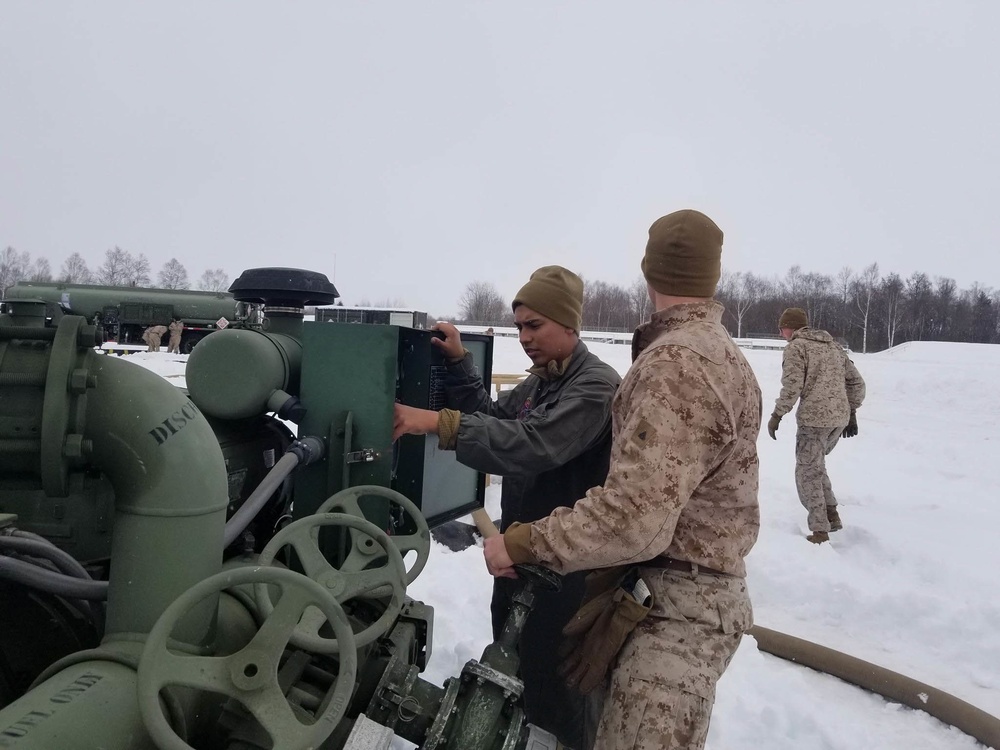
column 556, row 370
column 673, row 317
column 812, row 334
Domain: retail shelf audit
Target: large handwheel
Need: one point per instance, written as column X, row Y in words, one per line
column 346, row 501
column 352, row 579
column 250, row 675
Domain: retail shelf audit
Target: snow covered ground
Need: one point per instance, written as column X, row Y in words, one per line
column 910, row 583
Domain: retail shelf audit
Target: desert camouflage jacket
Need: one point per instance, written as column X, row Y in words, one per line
column 817, row 372
column 684, row 473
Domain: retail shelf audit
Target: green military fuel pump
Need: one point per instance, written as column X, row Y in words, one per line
column 225, row 567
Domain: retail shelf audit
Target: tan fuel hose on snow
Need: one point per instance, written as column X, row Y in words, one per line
column 890, row 685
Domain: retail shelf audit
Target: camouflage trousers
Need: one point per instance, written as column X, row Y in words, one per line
column 662, row 689
column 174, row 345
column 812, row 444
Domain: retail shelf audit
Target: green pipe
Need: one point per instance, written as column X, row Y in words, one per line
column 85, row 706
column 171, row 493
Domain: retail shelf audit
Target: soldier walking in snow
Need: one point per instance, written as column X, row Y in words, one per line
column 678, row 511
column 550, row 439
column 176, row 328
column 817, row 373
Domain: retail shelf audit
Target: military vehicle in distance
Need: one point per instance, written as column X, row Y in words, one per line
column 122, row 313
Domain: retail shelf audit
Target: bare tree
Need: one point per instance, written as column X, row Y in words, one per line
column 114, row 270
column 947, row 296
column 845, row 279
column 608, row 306
column 865, row 287
column 173, row 275
column 13, row 267
column 40, row 270
column 891, row 293
column 742, row 290
column 919, row 302
column 641, row 304
column 214, row 280
column 75, row 271
column 794, row 286
column 482, row 303
column 137, row 271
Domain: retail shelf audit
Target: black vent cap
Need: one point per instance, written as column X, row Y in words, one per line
column 275, row 286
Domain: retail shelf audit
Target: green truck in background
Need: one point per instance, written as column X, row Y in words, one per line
column 124, row 312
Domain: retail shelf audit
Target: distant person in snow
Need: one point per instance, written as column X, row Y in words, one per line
column 152, row 336
column 176, row 329
column 817, row 373
column 550, row 439
column 668, row 531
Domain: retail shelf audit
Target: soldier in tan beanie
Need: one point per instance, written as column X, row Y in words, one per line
column 550, row 439
column 678, row 510
column 816, row 372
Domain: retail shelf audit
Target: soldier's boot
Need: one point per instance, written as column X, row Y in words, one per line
column 834, row 518
column 818, row 537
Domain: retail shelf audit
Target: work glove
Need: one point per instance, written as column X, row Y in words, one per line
column 852, row 427
column 772, row 426
column 595, row 635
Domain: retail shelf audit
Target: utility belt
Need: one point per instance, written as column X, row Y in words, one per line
column 681, row 566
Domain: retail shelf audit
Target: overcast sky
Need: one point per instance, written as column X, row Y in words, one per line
column 408, row 148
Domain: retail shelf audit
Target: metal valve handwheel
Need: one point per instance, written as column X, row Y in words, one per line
column 354, row 577
column 346, row 501
column 250, row 675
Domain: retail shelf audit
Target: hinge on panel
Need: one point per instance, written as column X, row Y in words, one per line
column 363, row 456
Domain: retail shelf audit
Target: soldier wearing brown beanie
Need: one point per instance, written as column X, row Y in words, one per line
column 550, row 439
column 678, row 510
column 816, row 372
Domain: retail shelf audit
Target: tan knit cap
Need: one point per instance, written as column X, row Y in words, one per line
column 794, row 318
column 554, row 292
column 684, row 255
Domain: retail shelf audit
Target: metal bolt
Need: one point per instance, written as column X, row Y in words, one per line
column 78, row 381
column 73, row 447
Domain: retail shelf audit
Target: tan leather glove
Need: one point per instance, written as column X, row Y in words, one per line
column 596, row 634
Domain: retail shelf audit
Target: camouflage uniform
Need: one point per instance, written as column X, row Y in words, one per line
column 817, row 372
column 176, row 328
column 682, row 486
column 152, row 336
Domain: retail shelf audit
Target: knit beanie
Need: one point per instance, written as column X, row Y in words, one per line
column 794, row 318
column 556, row 293
column 684, row 255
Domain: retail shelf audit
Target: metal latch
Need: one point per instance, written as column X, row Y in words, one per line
column 363, row 456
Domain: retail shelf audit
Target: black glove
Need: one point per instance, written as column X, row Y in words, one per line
column 772, row 426
column 852, row 427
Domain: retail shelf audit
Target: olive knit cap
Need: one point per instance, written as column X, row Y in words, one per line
column 554, row 292
column 794, row 318
column 684, row 255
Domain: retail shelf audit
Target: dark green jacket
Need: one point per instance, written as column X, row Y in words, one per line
column 550, row 440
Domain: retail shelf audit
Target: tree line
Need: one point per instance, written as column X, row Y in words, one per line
column 865, row 309
column 120, row 268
